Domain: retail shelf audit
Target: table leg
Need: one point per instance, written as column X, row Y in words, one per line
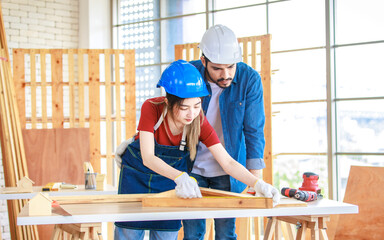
column 56, row 233
column 317, row 224
column 269, row 230
column 301, row 231
column 83, row 231
column 288, row 230
column 99, row 235
column 278, row 230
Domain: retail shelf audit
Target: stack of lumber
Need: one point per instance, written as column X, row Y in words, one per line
column 12, row 147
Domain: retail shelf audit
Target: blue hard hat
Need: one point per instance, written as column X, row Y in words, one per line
column 182, row 79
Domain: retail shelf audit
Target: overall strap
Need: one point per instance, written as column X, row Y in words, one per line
column 183, row 143
column 160, row 120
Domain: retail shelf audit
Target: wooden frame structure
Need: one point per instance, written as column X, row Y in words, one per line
column 63, row 88
column 257, row 54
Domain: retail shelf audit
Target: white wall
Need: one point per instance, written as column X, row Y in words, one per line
column 95, row 24
column 53, row 24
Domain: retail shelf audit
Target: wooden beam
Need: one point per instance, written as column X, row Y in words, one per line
column 84, row 199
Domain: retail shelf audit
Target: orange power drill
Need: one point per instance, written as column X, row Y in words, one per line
column 305, row 196
column 309, row 190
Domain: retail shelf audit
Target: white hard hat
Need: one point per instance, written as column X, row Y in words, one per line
column 219, row 44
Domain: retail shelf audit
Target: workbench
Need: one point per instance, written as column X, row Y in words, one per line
column 317, row 212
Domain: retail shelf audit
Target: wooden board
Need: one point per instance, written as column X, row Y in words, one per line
column 56, row 155
column 72, row 150
column 364, row 188
column 216, row 199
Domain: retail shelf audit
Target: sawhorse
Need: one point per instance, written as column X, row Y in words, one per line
column 83, row 231
column 317, row 225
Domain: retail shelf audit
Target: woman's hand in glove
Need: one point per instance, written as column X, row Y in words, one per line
column 267, row 190
column 187, row 187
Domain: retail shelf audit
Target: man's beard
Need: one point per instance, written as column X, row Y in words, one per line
column 218, row 80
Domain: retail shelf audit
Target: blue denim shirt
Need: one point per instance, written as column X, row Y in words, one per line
column 242, row 117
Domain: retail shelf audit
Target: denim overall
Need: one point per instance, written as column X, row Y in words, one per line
column 137, row 178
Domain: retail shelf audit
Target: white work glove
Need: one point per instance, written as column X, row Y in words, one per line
column 264, row 189
column 121, row 149
column 187, row 187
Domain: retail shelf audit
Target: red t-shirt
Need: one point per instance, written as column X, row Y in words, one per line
column 150, row 114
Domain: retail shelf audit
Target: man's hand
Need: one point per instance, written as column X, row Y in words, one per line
column 187, row 187
column 267, row 190
column 120, row 150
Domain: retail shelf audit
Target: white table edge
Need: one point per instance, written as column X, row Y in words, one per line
column 191, row 213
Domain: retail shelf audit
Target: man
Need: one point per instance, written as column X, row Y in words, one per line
column 235, row 109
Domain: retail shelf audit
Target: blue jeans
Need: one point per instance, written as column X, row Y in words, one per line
column 132, row 234
column 224, row 227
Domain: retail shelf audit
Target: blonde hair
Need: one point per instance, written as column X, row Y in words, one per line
column 193, row 134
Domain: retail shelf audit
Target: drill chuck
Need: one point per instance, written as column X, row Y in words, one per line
column 305, row 196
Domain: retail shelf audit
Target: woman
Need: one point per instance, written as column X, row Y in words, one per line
column 157, row 160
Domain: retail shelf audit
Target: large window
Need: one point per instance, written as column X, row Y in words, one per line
column 358, row 80
column 327, row 80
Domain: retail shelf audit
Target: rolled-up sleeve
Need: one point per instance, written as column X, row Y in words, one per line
column 255, row 163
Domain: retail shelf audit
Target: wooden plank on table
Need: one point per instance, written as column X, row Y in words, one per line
column 84, row 199
column 213, row 202
column 220, row 193
column 363, row 189
column 169, row 199
column 217, row 198
column 285, row 202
